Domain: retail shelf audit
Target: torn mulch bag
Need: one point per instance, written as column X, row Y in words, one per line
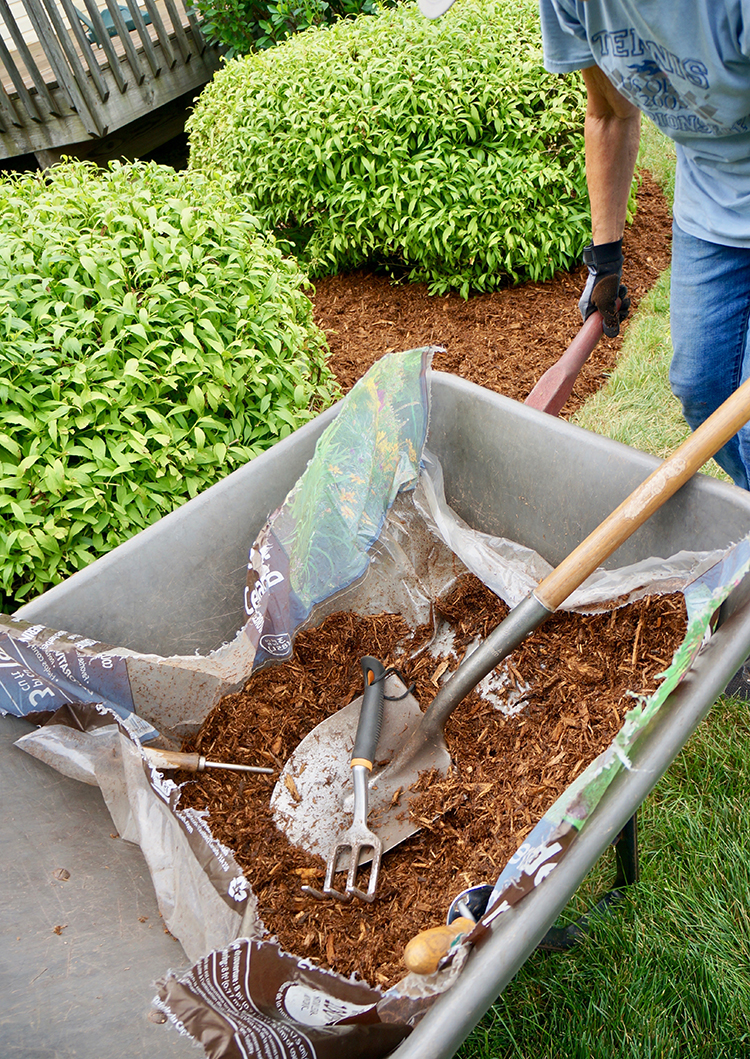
column 366, row 528
column 320, row 540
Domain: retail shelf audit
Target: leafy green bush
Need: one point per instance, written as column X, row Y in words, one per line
column 243, row 26
column 441, row 149
column 150, row 342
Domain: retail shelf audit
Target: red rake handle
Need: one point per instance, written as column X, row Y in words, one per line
column 555, row 386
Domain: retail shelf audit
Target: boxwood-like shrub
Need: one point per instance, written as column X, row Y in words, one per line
column 442, row 149
column 151, row 341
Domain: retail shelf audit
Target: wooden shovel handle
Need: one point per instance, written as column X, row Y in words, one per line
column 646, row 499
column 572, row 571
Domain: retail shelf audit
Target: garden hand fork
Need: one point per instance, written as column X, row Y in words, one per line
column 359, row 841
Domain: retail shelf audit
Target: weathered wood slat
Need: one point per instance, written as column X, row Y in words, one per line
column 78, row 110
column 28, row 61
column 52, row 49
column 8, row 115
column 200, row 40
column 106, row 44
column 180, row 36
column 85, row 103
column 140, row 25
column 86, row 51
column 124, row 34
column 15, row 75
column 161, row 33
column 55, row 57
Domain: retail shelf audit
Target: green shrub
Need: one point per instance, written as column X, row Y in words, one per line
column 441, row 149
column 150, row 342
column 243, row 26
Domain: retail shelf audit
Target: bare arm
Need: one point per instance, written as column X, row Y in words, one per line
column 612, row 131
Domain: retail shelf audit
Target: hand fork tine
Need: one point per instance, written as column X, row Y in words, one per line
column 359, row 837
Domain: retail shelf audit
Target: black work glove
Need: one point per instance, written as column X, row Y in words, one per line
column 603, row 286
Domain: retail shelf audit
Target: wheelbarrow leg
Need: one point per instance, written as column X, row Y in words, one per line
column 627, row 873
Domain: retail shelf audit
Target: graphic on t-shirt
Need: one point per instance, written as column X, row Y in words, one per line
column 651, row 83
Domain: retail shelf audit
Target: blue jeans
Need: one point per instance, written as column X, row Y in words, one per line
column 709, row 318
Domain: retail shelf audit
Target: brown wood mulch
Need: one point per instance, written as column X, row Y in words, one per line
column 505, row 340
column 508, row 769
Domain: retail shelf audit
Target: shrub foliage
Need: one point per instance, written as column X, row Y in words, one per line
column 442, row 149
column 150, row 342
column 243, row 26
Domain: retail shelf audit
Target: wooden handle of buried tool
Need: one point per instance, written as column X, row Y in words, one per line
column 174, row 759
column 424, row 952
column 646, row 499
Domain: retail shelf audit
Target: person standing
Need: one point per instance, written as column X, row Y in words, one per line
column 686, row 65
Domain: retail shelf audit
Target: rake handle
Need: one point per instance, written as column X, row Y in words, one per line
column 370, row 713
column 556, row 385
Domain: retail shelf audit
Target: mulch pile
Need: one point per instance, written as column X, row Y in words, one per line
column 576, row 675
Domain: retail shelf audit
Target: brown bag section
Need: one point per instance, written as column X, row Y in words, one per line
column 253, row 999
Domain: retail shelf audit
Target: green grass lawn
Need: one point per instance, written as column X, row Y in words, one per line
column 666, row 975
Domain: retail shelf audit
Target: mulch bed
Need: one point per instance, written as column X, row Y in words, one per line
column 508, row 768
column 504, row 341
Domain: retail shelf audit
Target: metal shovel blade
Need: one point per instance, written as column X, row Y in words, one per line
column 312, row 802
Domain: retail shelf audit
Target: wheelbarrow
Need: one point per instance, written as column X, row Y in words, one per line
column 177, row 588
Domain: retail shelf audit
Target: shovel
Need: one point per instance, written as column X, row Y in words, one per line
column 412, row 742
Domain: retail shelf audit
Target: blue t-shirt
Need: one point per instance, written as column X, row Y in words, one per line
column 686, row 64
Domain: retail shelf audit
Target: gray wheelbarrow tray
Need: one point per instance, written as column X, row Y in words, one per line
column 509, row 470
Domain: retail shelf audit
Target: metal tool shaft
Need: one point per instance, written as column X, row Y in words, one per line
column 176, row 759
column 237, row 768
